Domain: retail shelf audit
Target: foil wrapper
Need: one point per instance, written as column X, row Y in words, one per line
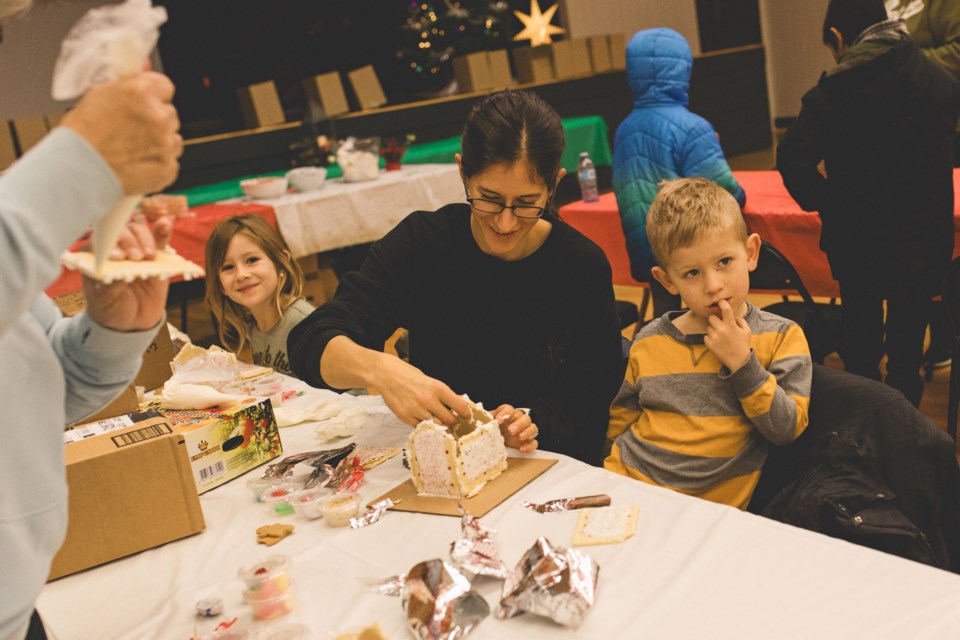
column 569, row 504
column 373, row 513
column 557, row 583
column 475, row 551
column 438, row 601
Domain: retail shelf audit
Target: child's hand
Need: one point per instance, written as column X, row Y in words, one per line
column 519, row 431
column 728, row 338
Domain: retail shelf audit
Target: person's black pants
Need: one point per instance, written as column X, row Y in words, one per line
column 866, row 336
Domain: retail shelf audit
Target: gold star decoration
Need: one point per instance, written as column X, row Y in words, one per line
column 536, row 26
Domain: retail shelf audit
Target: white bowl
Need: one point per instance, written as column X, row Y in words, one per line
column 264, row 187
column 307, row 178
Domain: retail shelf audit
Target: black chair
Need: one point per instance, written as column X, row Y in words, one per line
column 950, row 294
column 820, row 321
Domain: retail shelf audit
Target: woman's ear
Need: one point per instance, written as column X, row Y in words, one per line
column 560, row 175
column 459, row 160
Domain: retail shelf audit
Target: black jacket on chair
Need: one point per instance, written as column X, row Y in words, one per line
column 870, row 469
column 884, row 129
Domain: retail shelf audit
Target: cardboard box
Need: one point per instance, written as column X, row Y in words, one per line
column 599, row 47
column 472, row 72
column 534, row 64
column 260, row 105
column 500, row 76
column 130, row 490
column 367, row 87
column 327, row 90
column 225, row 442
column 618, row 50
column 571, row 58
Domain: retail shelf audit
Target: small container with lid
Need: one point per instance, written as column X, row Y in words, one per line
column 258, row 486
column 277, row 498
column 309, row 503
column 338, row 510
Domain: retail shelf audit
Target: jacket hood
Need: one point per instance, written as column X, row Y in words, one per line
column 659, row 62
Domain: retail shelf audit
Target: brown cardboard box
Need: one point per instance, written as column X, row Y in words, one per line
column 599, row 53
column 472, row 72
column 225, row 442
column 534, row 64
column 327, row 90
column 155, row 369
column 319, row 279
column 260, row 105
column 500, row 76
column 571, row 58
column 618, row 50
column 130, row 490
column 367, row 87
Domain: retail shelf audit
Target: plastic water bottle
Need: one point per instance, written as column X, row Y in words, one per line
column 587, row 176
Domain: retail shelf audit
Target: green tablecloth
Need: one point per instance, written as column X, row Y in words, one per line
column 588, row 133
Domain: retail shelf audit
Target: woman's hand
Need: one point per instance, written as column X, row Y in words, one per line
column 413, row 396
column 137, row 305
column 519, row 431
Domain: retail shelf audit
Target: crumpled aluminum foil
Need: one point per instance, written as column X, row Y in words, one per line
column 438, row 600
column 475, row 552
column 373, row 513
column 557, row 583
column 569, row 504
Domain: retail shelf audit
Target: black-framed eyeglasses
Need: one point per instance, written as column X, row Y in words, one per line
column 519, row 210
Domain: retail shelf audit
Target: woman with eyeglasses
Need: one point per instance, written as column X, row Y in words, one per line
column 502, row 300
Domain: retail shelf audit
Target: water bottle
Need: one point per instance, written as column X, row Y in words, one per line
column 587, row 176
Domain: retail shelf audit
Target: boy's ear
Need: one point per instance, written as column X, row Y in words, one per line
column 753, row 251
column 664, row 278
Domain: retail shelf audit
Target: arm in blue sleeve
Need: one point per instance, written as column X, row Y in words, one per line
column 48, row 199
column 97, row 363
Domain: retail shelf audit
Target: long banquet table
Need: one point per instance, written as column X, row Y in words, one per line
column 694, row 569
column 770, row 211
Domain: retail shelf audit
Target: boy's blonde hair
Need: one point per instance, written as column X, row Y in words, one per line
column 234, row 319
column 684, row 210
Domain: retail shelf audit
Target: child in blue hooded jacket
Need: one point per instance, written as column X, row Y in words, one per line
column 661, row 140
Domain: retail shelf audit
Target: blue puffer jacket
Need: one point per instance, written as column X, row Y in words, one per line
column 660, row 139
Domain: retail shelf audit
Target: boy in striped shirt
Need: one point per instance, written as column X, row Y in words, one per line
column 707, row 389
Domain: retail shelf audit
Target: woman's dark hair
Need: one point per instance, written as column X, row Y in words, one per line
column 850, row 18
column 511, row 126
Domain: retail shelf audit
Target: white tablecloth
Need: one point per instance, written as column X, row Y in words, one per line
column 343, row 214
column 693, row 570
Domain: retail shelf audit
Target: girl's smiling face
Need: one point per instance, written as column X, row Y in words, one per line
column 248, row 276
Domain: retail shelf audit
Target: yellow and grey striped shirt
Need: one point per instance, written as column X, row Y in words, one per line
column 681, row 420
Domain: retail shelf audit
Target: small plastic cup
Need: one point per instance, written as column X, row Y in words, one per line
column 338, row 510
column 260, row 485
column 267, row 577
column 277, row 498
column 270, row 608
column 309, row 503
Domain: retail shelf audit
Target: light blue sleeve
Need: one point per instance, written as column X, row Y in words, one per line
column 48, row 199
column 97, row 363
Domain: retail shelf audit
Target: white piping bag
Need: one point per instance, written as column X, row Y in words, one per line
column 107, row 43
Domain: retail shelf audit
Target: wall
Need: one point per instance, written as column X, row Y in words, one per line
column 591, row 17
column 28, row 52
column 792, row 35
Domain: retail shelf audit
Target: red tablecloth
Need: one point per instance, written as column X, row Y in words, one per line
column 770, row 211
column 189, row 237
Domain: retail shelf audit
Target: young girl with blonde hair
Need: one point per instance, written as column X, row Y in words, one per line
column 254, row 289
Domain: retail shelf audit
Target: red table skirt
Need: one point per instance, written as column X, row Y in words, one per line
column 770, row 212
column 189, row 237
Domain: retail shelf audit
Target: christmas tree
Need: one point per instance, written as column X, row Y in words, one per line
column 436, row 32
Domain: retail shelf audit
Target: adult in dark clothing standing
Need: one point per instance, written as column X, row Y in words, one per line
column 502, row 300
column 882, row 123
